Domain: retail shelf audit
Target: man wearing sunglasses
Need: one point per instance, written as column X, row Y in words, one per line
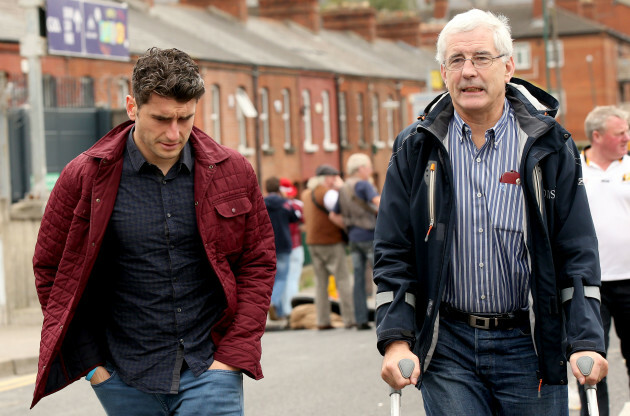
column 485, row 252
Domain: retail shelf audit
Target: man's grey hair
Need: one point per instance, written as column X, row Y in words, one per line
column 355, row 161
column 471, row 20
column 597, row 118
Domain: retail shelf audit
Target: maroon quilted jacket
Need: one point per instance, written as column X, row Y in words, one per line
column 234, row 227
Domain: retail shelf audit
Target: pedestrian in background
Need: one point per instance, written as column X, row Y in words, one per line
column 296, row 260
column 154, row 263
column 484, row 236
column 356, row 210
column 281, row 214
column 326, row 245
column 606, row 170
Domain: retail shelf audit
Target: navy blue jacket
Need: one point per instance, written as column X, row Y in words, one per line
column 281, row 214
column 410, row 269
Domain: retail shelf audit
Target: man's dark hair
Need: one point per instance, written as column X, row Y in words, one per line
column 272, row 184
column 169, row 73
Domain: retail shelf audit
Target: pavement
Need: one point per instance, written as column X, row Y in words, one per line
column 19, row 349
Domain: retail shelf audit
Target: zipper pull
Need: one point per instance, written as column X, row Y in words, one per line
column 539, row 386
column 428, row 232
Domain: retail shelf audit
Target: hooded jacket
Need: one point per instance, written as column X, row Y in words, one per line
column 415, row 228
column 234, row 229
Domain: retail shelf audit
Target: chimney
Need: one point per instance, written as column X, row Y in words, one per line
column 236, row 8
column 303, row 12
column 361, row 20
column 537, row 9
column 440, row 9
column 400, row 27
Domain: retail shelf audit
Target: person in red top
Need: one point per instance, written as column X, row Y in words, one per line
column 155, row 259
column 296, row 260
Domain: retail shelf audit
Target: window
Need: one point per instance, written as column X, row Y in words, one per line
column 360, row 128
column 329, row 146
column 215, row 112
column 264, row 120
column 244, row 109
column 376, row 127
column 123, row 91
column 49, row 90
column 309, row 146
column 551, row 58
column 390, row 106
column 343, row 120
column 522, row 55
column 286, row 118
column 87, row 92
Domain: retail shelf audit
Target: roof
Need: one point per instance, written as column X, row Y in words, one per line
column 211, row 35
column 525, row 26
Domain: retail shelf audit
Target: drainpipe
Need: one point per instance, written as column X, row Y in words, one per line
column 255, row 75
column 338, row 81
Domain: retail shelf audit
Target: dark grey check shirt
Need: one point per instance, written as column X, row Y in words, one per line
column 164, row 295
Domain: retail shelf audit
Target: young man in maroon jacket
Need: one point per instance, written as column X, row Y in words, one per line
column 155, row 259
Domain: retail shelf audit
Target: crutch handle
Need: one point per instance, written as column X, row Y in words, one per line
column 406, row 368
column 585, row 365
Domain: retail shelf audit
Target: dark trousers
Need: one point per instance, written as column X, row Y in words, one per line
column 615, row 305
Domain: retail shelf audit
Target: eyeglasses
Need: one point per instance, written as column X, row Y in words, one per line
column 479, row 61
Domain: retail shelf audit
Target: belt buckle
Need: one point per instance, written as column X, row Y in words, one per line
column 480, row 322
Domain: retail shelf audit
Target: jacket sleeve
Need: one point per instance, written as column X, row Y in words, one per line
column 394, row 265
column 254, row 272
column 53, row 232
column 575, row 248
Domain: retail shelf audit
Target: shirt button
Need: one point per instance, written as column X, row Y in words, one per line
column 168, row 215
column 478, row 160
column 481, row 230
column 233, row 210
column 179, row 309
column 181, row 340
column 479, row 194
column 483, row 297
column 163, row 182
column 481, row 264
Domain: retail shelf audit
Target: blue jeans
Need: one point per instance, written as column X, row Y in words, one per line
column 280, row 284
column 214, row 393
column 487, row 372
column 296, row 262
column 361, row 252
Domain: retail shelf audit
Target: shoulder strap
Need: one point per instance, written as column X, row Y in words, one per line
column 317, row 204
column 358, row 200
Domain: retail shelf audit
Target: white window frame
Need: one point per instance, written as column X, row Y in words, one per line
column 551, row 62
column 522, row 56
column 329, row 146
column 360, row 126
column 376, row 123
column 286, row 118
column 391, row 130
column 264, row 119
column 343, row 119
column 307, row 122
column 215, row 111
column 244, row 109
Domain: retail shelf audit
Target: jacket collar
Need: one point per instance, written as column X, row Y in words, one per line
column 533, row 108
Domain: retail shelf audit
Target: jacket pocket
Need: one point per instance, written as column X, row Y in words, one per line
column 231, row 224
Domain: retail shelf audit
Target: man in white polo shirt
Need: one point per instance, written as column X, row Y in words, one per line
column 606, row 170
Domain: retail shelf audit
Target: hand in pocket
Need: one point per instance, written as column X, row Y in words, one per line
column 101, row 374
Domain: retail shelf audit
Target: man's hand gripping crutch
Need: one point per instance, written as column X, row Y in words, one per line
column 400, row 368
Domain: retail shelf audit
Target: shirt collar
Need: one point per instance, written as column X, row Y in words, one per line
column 138, row 161
column 496, row 132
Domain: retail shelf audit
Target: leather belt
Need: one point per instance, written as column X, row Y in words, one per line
column 486, row 321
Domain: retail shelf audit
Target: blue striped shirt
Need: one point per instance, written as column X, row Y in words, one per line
column 490, row 268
